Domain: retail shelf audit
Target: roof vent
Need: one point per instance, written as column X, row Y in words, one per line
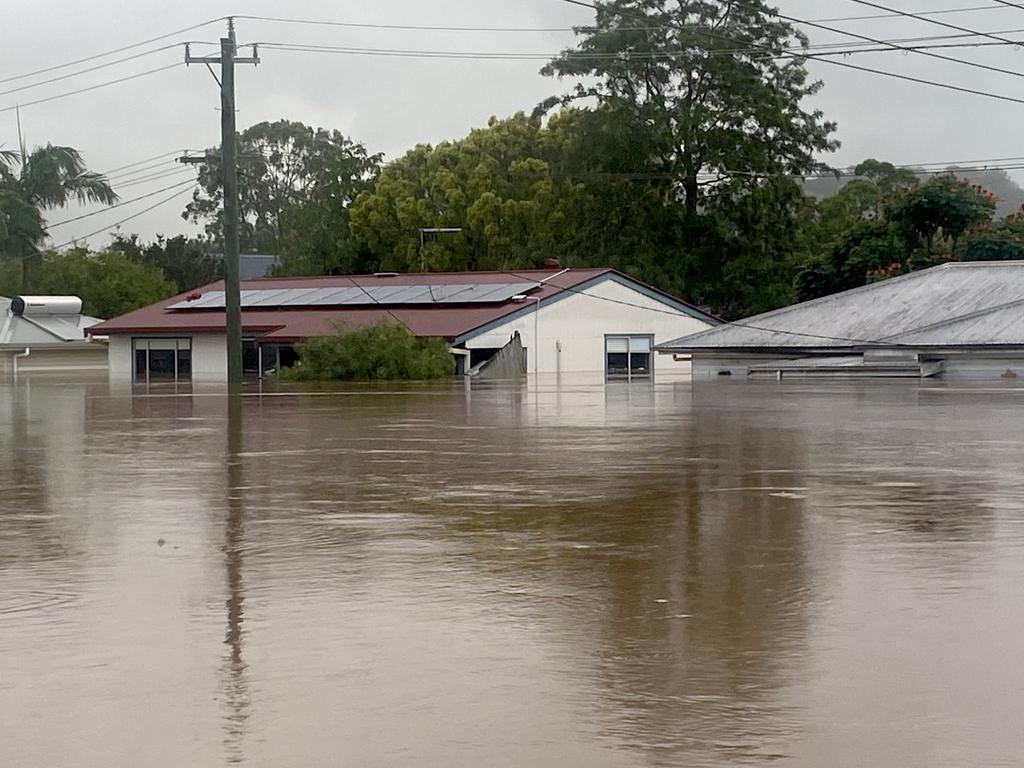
column 31, row 306
column 551, row 264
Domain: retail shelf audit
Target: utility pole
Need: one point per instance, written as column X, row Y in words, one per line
column 229, row 168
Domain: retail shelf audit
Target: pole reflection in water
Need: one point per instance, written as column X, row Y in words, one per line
column 236, row 684
column 585, row 576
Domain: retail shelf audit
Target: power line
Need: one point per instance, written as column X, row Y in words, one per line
column 814, row 51
column 942, row 11
column 122, row 221
column 843, row 64
column 91, row 69
column 895, row 46
column 1009, row 5
column 927, row 20
column 147, row 168
column 158, row 167
column 154, row 177
column 441, row 28
column 91, row 87
column 110, row 53
column 141, row 162
column 117, row 205
column 409, row 27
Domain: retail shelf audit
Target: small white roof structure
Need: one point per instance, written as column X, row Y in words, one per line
column 33, row 320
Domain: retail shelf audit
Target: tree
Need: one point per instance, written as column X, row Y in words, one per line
column 766, row 240
column 1001, row 242
column 1008, row 193
column 32, row 183
column 694, row 78
column 944, row 208
column 187, row 262
column 918, row 226
column 867, row 248
column 886, row 176
column 497, row 185
column 288, row 174
column 109, row 283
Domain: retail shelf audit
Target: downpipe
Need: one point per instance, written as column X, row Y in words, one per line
column 20, row 356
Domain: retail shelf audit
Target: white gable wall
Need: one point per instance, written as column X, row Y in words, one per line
column 209, row 355
column 571, row 329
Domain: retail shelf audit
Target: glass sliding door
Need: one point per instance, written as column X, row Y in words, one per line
column 162, row 359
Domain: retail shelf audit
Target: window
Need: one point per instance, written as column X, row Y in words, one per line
column 162, row 359
column 629, row 357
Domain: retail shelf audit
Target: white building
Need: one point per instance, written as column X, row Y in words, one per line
column 569, row 321
column 956, row 321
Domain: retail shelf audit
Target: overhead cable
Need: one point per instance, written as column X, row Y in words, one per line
column 165, row 164
column 92, row 87
column 830, row 49
column 144, row 161
column 95, row 68
column 116, row 224
column 409, row 27
column 895, row 46
column 448, row 28
column 940, row 12
column 113, row 52
column 120, row 204
column 152, row 177
column 825, row 60
column 929, row 20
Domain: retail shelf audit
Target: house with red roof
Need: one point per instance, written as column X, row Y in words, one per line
column 569, row 321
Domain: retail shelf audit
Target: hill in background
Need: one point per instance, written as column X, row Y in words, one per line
column 1010, row 194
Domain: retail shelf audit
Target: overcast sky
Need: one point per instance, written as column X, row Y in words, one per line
column 391, row 104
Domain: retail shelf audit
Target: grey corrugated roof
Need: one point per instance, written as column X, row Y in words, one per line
column 40, row 329
column 956, row 304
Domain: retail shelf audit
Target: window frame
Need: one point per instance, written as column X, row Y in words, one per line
column 629, row 375
column 181, row 344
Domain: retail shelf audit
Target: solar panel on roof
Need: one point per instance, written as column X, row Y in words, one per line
column 374, row 295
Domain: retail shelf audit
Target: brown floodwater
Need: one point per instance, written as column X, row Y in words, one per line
column 563, row 574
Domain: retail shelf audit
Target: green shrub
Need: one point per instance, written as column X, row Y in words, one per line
column 385, row 351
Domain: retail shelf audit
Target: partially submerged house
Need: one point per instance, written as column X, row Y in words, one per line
column 958, row 320
column 47, row 334
column 568, row 320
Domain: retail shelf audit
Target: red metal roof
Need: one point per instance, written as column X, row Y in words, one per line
column 288, row 325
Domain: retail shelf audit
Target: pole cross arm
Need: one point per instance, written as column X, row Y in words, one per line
column 190, row 59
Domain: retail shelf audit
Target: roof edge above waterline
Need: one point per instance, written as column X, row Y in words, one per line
column 971, row 304
column 447, row 320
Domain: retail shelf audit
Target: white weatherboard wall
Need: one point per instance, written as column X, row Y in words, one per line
column 209, row 356
column 572, row 329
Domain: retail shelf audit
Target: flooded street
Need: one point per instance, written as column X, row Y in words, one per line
column 573, row 574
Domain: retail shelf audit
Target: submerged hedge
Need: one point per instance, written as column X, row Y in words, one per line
column 385, row 351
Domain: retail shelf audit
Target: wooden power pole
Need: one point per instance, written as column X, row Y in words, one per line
column 229, row 168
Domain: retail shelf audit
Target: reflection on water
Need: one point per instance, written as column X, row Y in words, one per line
column 236, row 691
column 563, row 574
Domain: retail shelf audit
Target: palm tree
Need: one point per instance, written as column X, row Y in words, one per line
column 33, row 183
